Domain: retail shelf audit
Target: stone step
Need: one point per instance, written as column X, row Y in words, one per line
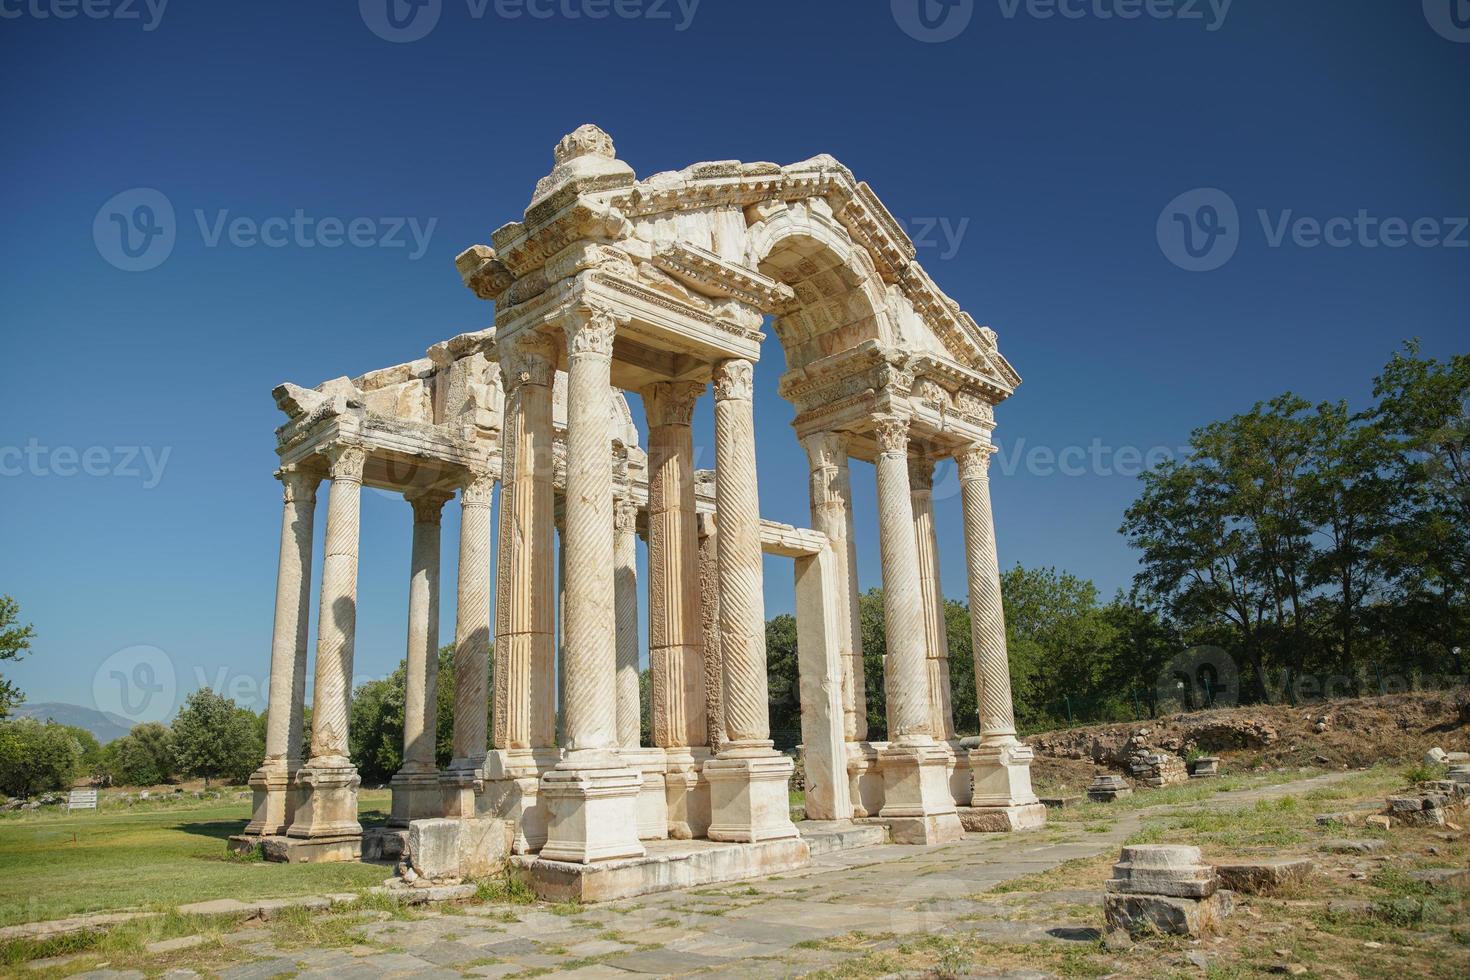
column 826, row 837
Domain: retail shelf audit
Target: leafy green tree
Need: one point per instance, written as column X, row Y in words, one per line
column 37, row 757
column 15, row 640
column 783, row 680
column 215, row 738
column 143, row 757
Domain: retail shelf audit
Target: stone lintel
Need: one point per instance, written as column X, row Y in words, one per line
column 668, row 865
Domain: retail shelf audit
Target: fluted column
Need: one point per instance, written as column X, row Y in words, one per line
column 472, row 636
column 1001, row 765
column 272, row 809
column 329, row 780
column 416, row 785
column 936, row 636
column 709, row 612
column 525, row 689
column 591, row 794
column 907, row 673
column 831, row 502
column 676, row 643
column 625, row 562
column 748, row 775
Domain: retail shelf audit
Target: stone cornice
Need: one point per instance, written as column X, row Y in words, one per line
column 707, row 273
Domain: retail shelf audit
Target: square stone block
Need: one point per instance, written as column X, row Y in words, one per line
column 272, row 804
column 416, row 796
column 1144, row 915
column 687, row 793
column 750, row 797
column 917, row 804
column 592, row 814
column 1002, row 819
column 1001, row 775
column 328, row 804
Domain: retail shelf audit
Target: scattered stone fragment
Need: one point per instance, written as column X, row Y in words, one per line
column 1164, row 888
column 1434, row 756
column 1267, row 876
column 1108, row 787
column 1205, row 767
column 1443, row 877
column 1366, row 846
column 1378, row 820
column 1060, row 802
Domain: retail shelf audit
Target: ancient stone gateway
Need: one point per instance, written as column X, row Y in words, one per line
column 660, row 286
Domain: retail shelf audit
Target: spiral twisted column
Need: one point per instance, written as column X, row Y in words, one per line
column 676, row 642
column 590, row 666
column 525, row 667
column 625, row 565
column 472, row 623
column 907, row 671
column 742, row 603
column 288, row 656
column 337, row 619
column 422, row 683
column 987, row 614
column 936, row 637
column 831, row 501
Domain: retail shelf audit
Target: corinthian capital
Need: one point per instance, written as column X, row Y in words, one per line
column 921, row 472
column 892, row 432
column 591, row 330
column 734, row 379
column 672, row 402
column 625, row 516
column 428, row 505
column 528, row 359
column 477, row 489
column 825, row 449
column 974, row 462
column 345, row 462
column 297, row 485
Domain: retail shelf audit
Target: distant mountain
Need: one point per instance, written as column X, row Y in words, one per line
column 104, row 725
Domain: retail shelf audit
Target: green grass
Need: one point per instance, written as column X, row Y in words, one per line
column 54, row 865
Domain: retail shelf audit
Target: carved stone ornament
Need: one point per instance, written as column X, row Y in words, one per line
column 734, row 379
column 892, row 432
column 921, row 473
column 428, row 505
column 478, row 489
column 346, row 462
column 826, row 449
column 592, row 331
column 974, row 463
column 297, row 485
column 672, row 402
column 529, row 359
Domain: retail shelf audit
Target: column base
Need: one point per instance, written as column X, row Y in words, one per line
column 462, row 788
column 328, row 802
column 513, row 793
column 687, row 790
column 1002, row 773
column 961, row 785
column 865, row 780
column 416, row 796
column 1002, row 819
column 274, row 801
column 653, row 804
column 592, row 807
column 917, row 805
column 750, row 794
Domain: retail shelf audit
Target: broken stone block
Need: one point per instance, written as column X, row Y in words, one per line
column 1060, row 802
column 1443, row 877
column 1267, row 876
column 1205, row 767
column 1141, row 915
column 1366, row 846
column 445, row 848
column 1107, row 787
column 1175, row 870
column 1434, row 756
column 1378, row 820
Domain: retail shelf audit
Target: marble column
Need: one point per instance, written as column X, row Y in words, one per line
column 1001, row 765
column 749, row 778
column 329, row 780
column 936, row 632
column 416, row 793
column 625, row 562
column 917, row 799
column 463, row 782
column 271, row 783
column 709, row 616
column 524, row 719
column 591, row 795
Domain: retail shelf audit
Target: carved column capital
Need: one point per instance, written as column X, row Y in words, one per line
column 477, row 489
column 974, row 463
column 672, row 402
column 826, row 449
column 734, row 380
column 528, row 359
column 428, row 505
column 921, row 473
column 298, row 486
column 345, row 462
column 892, row 433
column 591, row 330
column 625, row 516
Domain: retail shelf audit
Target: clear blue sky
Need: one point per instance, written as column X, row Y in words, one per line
column 1040, row 153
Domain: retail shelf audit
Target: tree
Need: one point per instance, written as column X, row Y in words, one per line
column 15, row 640
column 143, row 757
column 783, row 680
column 37, row 757
column 213, row 737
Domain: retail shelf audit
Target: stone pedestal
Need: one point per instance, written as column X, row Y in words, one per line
column 1164, row 888
column 961, row 786
column 416, row 796
column 917, row 804
column 864, row 778
column 687, row 791
column 328, row 806
column 1106, row 788
column 513, row 793
column 1205, row 767
column 593, row 813
column 750, row 795
column 653, row 803
column 1002, row 798
column 462, row 792
column 273, row 800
